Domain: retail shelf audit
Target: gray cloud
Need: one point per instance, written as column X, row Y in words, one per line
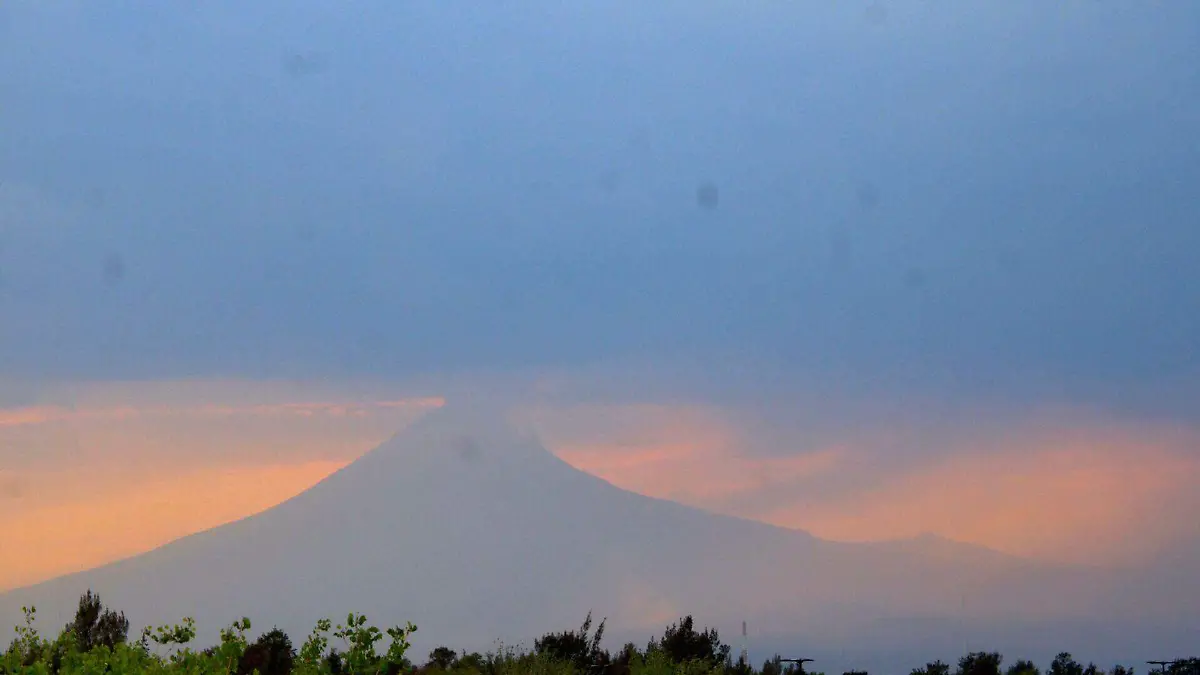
column 989, row 202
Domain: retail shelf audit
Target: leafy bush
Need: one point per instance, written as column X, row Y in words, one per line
column 96, row 643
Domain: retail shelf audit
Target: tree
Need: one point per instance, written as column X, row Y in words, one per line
column 682, row 643
column 739, row 667
column 271, row 654
column 1189, row 666
column 622, row 662
column 333, row 662
column 442, row 658
column 1065, row 664
column 980, row 663
column 576, row 647
column 934, row 668
column 94, row 625
column 775, row 666
column 1023, row 667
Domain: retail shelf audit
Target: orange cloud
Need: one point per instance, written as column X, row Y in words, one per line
column 689, row 454
column 694, row 471
column 110, row 470
column 1059, row 486
column 124, row 517
column 1082, row 496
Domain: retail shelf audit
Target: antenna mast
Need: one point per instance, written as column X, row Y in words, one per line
column 745, row 646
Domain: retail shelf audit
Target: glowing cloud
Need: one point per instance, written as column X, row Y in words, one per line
column 118, row 517
column 1062, row 487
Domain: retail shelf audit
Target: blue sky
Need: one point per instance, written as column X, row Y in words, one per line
column 863, row 268
column 939, row 200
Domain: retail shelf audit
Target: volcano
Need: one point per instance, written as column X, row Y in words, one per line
column 465, row 524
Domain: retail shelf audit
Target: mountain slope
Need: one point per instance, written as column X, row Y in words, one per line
column 471, row 529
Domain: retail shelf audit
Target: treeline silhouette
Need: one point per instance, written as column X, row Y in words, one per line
column 96, row 642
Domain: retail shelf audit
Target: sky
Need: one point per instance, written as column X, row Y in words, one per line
column 869, row 269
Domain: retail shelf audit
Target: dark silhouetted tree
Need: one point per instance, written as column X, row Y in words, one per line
column 622, row 662
column 1023, row 667
column 442, row 658
column 1065, row 664
column 739, row 667
column 271, row 654
column 980, row 663
column 94, row 625
column 472, row 662
column 334, row 662
column 1189, row 666
column 682, row 643
column 935, row 668
column 580, row 648
column 775, row 666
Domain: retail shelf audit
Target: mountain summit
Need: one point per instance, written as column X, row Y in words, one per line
column 465, row 524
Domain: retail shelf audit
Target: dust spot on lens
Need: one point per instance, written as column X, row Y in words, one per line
column 113, row 270
column 867, row 195
column 610, row 181
column 468, row 449
column 303, row 64
column 707, row 196
column 876, row 14
column 915, row 278
column 840, row 247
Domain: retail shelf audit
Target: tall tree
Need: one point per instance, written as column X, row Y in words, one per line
column 580, row 648
column 95, row 625
column 681, row 642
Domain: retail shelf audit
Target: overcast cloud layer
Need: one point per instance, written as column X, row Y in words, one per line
column 979, row 200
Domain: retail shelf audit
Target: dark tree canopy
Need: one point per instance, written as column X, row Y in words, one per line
column 933, row 668
column 271, row 654
column 1065, row 664
column 577, row 647
column 95, row 626
column 1023, row 667
column 681, row 642
column 442, row 658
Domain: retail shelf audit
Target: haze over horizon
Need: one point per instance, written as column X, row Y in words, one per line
column 867, row 270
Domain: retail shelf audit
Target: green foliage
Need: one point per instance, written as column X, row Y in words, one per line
column 95, row 643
